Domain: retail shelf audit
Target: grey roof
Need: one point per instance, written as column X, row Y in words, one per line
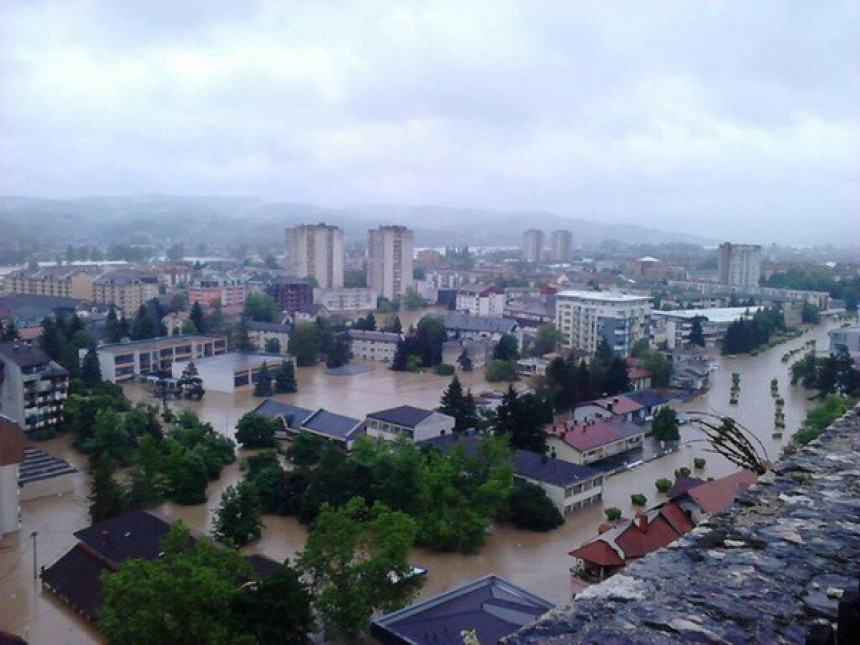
column 267, row 326
column 378, row 336
column 160, row 341
column 491, row 606
column 39, row 465
column 477, row 323
column 625, row 428
column 333, row 425
column 23, row 355
column 136, row 534
column 293, row 415
column 647, row 398
column 551, row 471
column 287, row 279
column 404, row 415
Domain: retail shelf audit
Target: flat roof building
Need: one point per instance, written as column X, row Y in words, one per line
column 230, row 372
column 584, row 318
column 120, row 362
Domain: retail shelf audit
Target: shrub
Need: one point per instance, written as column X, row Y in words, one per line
column 663, row 484
column 683, row 472
column 498, row 370
column 444, row 369
column 612, row 513
column 699, row 462
column 531, row 509
column 638, row 499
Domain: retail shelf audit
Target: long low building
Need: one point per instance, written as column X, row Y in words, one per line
column 339, row 429
column 120, row 362
column 674, row 327
column 230, row 372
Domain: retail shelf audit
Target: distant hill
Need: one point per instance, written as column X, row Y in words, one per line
column 227, row 221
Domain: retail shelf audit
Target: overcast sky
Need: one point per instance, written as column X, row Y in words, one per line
column 735, row 120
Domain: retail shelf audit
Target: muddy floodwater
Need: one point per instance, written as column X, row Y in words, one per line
column 536, row 561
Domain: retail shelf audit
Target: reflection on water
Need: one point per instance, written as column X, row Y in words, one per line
column 537, row 561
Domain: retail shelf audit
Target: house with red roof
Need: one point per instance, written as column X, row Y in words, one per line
column 591, row 441
column 619, row 405
column 713, row 496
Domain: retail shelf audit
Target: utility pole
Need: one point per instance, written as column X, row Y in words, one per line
column 35, row 568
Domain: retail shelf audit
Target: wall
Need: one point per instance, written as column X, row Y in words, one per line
column 759, row 572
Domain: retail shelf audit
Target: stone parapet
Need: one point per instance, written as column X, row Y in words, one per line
column 770, row 569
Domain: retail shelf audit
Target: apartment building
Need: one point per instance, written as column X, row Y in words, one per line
column 346, row 299
column 316, row 250
column 389, row 260
column 740, row 264
column 230, row 290
column 126, row 289
column 586, row 317
column 380, row 346
column 62, row 281
column 121, row 362
column 532, row 249
column 482, row 301
column 560, row 245
column 33, row 388
column 291, row 294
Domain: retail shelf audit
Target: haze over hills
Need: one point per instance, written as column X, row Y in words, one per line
column 231, row 220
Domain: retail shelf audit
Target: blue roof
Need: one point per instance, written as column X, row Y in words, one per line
column 491, row 606
column 293, row 415
column 405, row 415
column 332, row 425
column 551, row 471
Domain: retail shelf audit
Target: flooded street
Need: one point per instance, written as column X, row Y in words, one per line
column 538, row 562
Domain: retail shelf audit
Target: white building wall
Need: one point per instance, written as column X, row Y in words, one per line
column 9, row 500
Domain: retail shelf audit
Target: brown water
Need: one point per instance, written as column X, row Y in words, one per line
column 537, row 561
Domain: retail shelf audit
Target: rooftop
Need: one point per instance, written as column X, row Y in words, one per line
column 405, row 415
column 714, row 314
column 238, row 360
column 551, row 471
column 601, row 296
column 292, row 415
column 333, row 425
column 157, row 343
column 23, row 355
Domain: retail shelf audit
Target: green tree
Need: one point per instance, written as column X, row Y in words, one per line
column 355, row 559
column 303, row 344
column 285, row 378
column 113, row 329
column 521, row 418
column 10, row 332
column 465, row 361
column 506, row 349
column 664, row 427
column 182, row 596
column 106, row 494
column 498, row 370
column 697, row 337
column 188, row 477
column 188, row 328
column 339, row 354
column 238, row 519
column 256, row 431
column 305, row 449
column 196, row 316
column 547, row 339
column 263, row 385
column 459, row 404
column 91, row 371
column 430, row 334
column 273, row 346
column 242, row 341
column 277, row 609
column 260, row 307
column 531, row 509
column 411, row 299
column 394, row 325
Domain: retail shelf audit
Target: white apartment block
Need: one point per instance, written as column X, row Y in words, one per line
column 585, row 317
column 532, row 250
column 346, row 299
column 389, row 260
column 316, row 250
column 380, row 346
column 482, row 301
column 740, row 264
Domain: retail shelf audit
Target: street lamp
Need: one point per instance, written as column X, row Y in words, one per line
column 35, row 572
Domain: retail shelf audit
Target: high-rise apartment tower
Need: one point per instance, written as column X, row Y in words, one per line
column 740, row 264
column 560, row 243
column 316, row 250
column 532, row 245
column 389, row 260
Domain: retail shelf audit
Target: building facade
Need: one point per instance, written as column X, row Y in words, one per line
column 415, row 424
column 532, row 249
column 229, row 290
column 586, row 317
column 346, row 299
column 61, row 281
column 125, row 289
column 482, row 301
column 33, row 388
column 291, row 294
column 12, row 442
column 560, row 245
column 230, row 372
column 121, row 362
column 740, row 264
column 316, row 251
column 389, row 260
column 380, row 346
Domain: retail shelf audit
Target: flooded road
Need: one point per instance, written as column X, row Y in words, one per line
column 536, row 561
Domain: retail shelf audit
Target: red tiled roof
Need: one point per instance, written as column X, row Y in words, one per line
column 716, row 495
column 598, row 553
column 619, row 404
column 682, row 485
column 677, row 518
column 591, row 435
column 636, row 542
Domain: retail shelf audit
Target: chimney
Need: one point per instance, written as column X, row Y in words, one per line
column 610, row 405
column 106, row 540
column 642, row 522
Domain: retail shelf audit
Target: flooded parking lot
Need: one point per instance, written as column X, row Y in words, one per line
column 537, row 561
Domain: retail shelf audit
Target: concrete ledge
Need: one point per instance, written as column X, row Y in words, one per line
column 765, row 571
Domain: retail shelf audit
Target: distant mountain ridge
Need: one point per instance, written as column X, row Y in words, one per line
column 249, row 220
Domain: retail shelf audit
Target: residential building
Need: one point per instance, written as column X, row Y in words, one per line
column 290, row 417
column 584, row 318
column 377, row 346
column 259, row 333
column 463, row 326
column 33, row 388
column 62, row 281
column 490, row 607
column 416, row 424
column 43, row 475
column 673, row 327
column 560, row 244
column 569, row 486
column 651, row 401
column 125, row 289
column 291, row 294
column 30, row 310
column 230, row 372
column 691, row 369
column 740, row 264
column 389, row 261
column 845, row 339
column 595, row 440
column 481, row 301
column 531, row 313
column 76, row 578
column 340, row 430
column 316, row 251
column 608, row 407
column 12, row 442
column 532, row 249
column 231, row 291
column 346, row 299
column 121, row 362
column 820, row 299
column 709, row 497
